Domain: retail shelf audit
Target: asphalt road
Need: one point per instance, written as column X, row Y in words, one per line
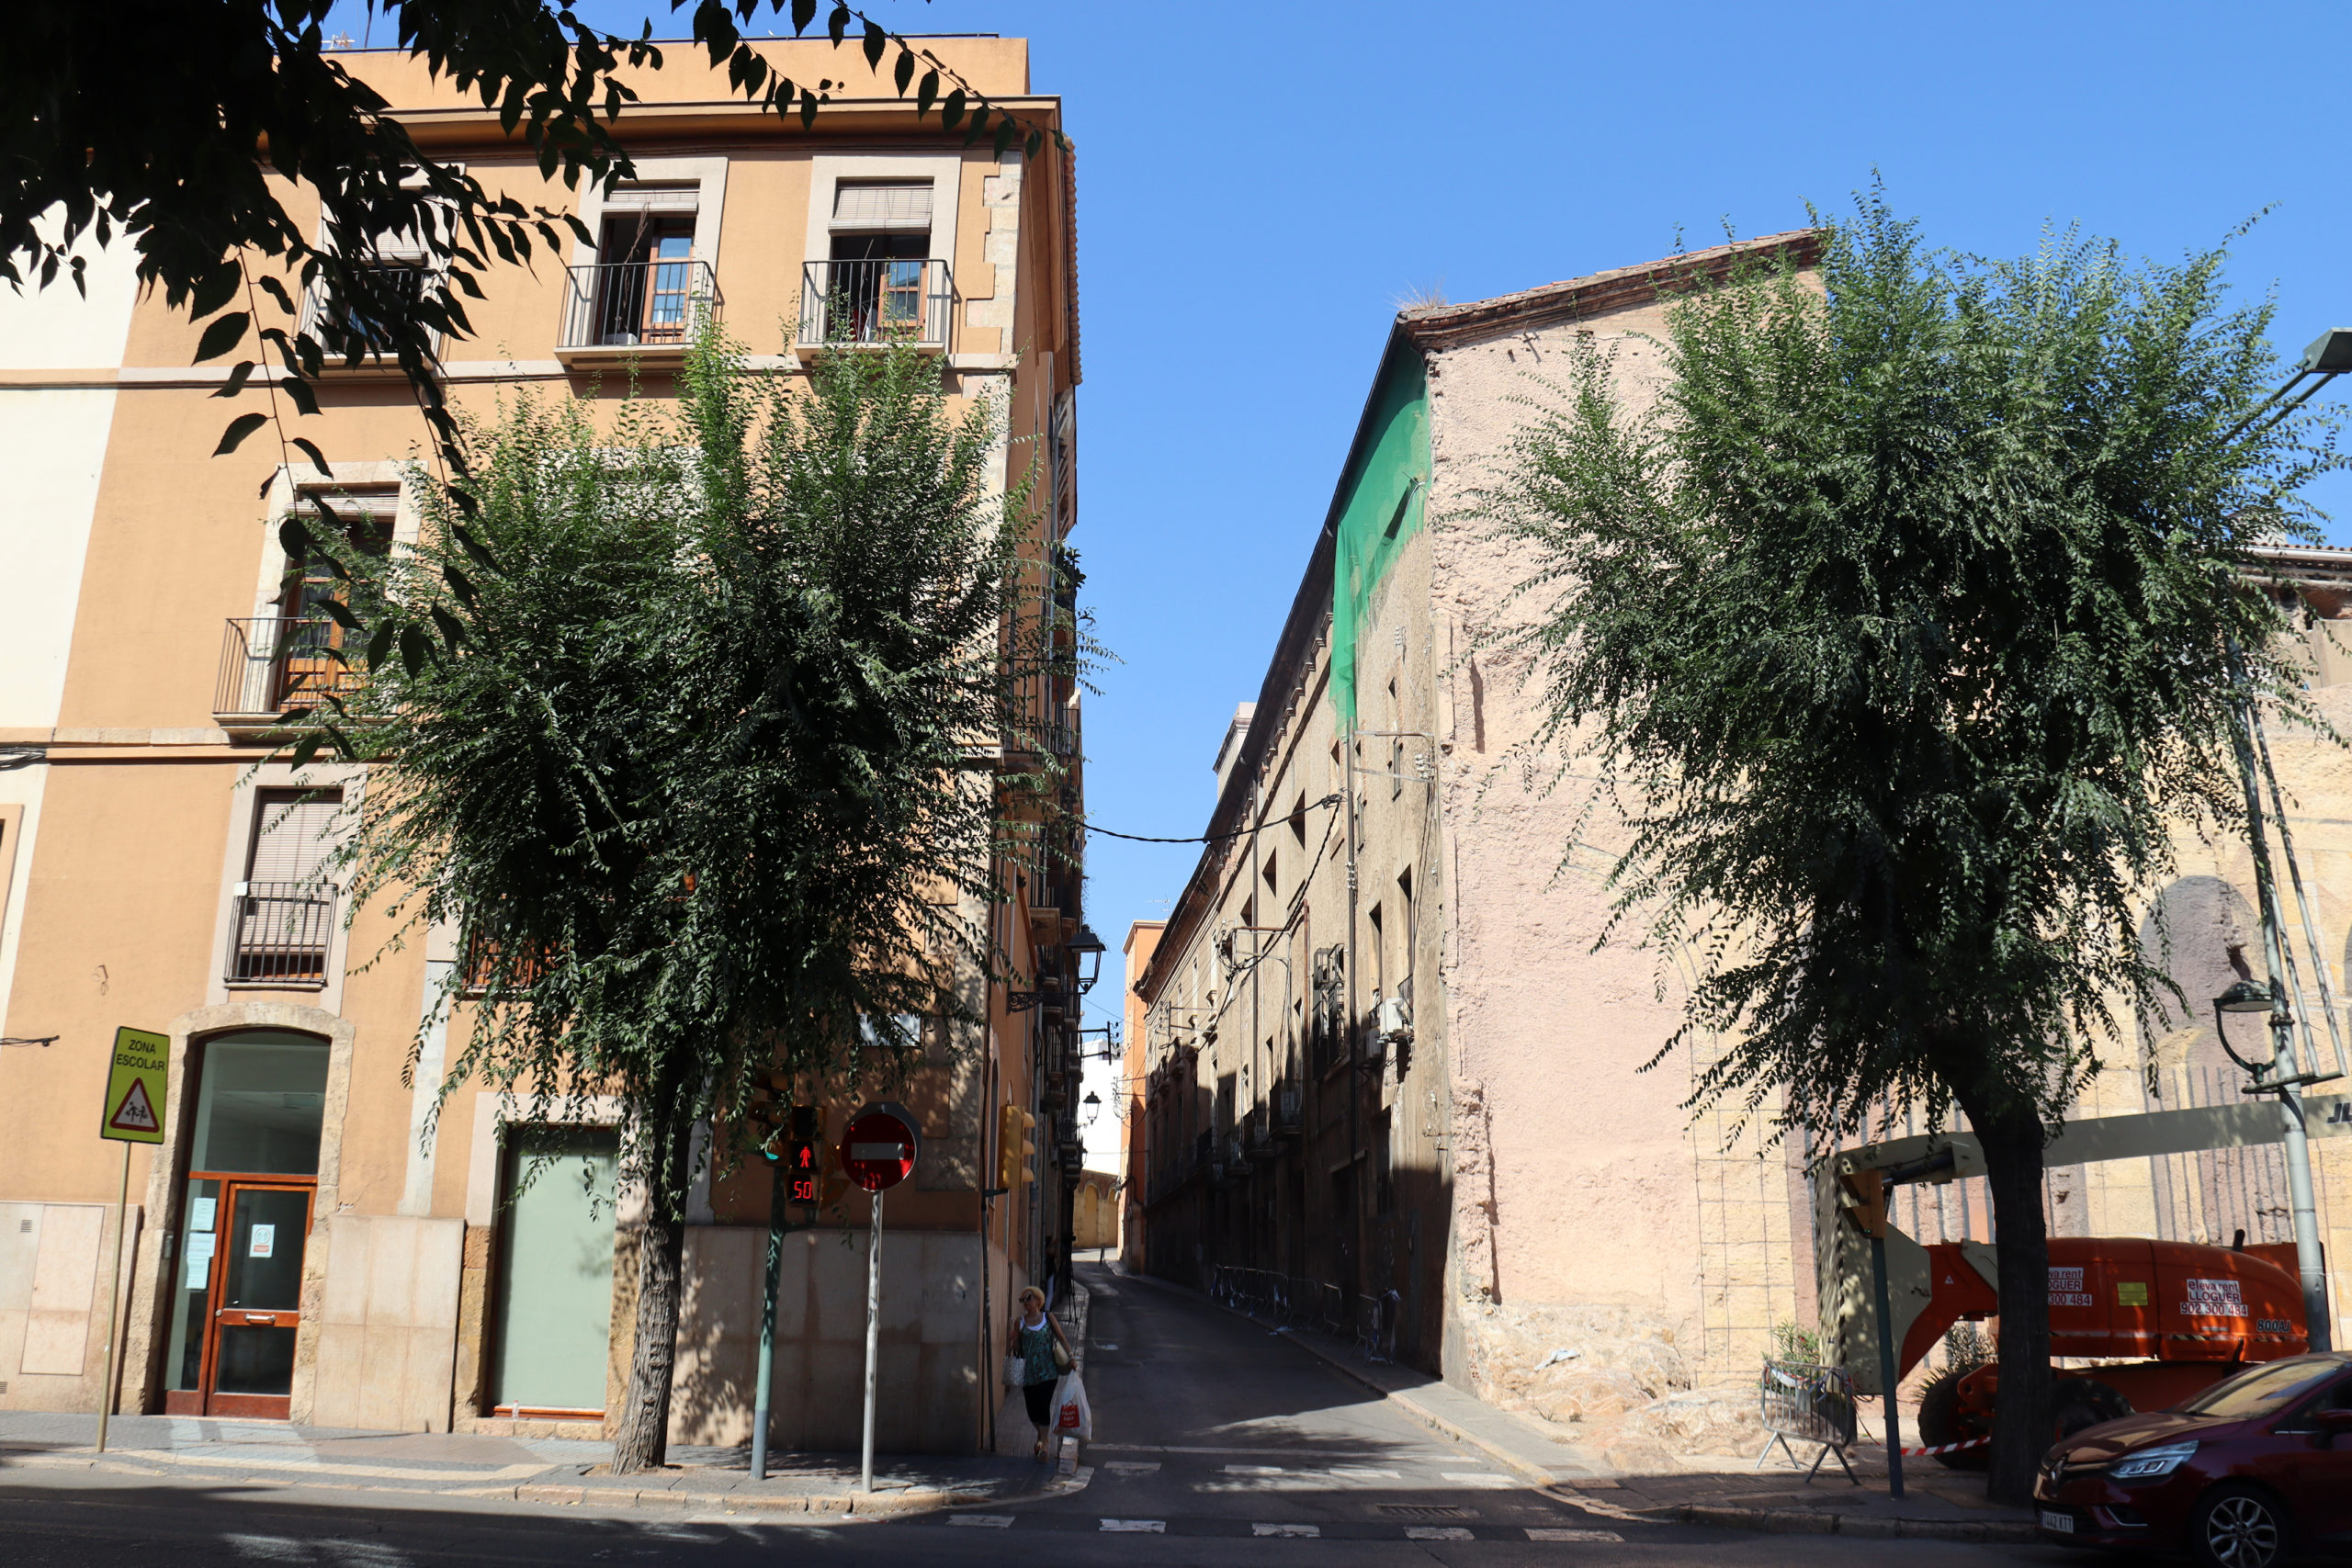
column 1216, row 1443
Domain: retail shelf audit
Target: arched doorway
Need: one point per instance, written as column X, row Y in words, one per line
column 235, row 1270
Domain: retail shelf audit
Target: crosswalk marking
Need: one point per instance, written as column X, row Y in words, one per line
column 1535, row 1534
column 1295, row 1532
column 1253, row 1469
column 1360, row 1472
column 1437, row 1532
column 982, row 1521
column 1135, row 1527
column 1132, row 1466
column 1485, row 1478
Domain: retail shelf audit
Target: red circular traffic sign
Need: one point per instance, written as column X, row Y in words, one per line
column 880, row 1147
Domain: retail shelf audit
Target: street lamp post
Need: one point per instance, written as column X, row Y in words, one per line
column 2329, row 355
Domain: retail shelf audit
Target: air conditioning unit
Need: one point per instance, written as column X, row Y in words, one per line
column 1393, row 1026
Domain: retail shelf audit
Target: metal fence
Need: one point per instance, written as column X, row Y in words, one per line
column 1812, row 1405
column 638, row 304
column 280, row 932
column 1366, row 1322
column 274, row 663
column 866, row 302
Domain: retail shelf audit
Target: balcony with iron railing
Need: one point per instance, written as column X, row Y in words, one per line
column 872, row 304
column 641, row 311
column 273, row 666
column 278, row 934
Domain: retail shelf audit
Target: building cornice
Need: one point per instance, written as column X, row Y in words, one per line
column 1444, row 326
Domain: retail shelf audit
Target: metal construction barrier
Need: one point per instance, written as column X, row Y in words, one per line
column 1809, row 1403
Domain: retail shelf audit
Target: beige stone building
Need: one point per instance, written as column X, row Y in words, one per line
column 1390, row 1087
column 313, row 1238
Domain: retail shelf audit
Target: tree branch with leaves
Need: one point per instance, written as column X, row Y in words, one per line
column 1899, row 629
column 688, row 751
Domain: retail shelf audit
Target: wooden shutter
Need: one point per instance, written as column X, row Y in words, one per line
column 290, row 836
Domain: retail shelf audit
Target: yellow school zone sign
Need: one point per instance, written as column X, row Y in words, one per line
column 134, row 1106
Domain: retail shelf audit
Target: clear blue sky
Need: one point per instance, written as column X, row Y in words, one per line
column 1259, row 185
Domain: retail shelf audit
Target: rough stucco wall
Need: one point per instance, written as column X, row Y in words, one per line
column 1575, row 1181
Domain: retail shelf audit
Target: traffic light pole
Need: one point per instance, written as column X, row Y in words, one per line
column 760, row 1405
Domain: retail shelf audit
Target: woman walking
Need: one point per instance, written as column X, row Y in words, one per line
column 1045, row 1355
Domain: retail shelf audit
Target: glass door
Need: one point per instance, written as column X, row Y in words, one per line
column 259, row 1297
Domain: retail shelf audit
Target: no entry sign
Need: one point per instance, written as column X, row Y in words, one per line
column 881, row 1145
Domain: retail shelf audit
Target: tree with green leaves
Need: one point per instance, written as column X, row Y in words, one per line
column 698, row 753
column 157, row 124
column 1901, row 627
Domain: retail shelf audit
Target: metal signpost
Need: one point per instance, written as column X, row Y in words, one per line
column 132, row 1113
column 877, row 1152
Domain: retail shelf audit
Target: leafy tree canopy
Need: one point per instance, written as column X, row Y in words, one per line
column 700, row 765
column 1901, row 626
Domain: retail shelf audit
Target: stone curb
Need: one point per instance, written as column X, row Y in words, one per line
column 1806, row 1521
column 842, row 1504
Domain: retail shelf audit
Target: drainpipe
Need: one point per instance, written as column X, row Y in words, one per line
column 1354, row 1091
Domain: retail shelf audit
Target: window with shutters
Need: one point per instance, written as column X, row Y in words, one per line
column 878, row 282
column 647, row 280
column 396, row 272
column 285, row 906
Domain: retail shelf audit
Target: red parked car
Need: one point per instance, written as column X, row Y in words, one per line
column 2238, row 1476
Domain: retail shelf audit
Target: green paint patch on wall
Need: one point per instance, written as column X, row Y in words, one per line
column 1386, row 489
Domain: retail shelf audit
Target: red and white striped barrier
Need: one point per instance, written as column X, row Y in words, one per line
column 1945, row 1448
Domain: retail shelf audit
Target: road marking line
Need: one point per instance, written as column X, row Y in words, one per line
column 1132, row 1466
column 982, row 1521
column 1359, row 1473
column 1135, row 1527
column 1296, row 1532
column 1535, row 1534
column 1437, row 1532
column 1301, row 1454
column 1253, row 1469
column 1487, row 1479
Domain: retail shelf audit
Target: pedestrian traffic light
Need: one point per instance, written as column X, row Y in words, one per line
column 802, row 1172
column 1013, row 1148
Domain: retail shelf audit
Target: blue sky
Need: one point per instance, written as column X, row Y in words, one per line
column 1259, row 186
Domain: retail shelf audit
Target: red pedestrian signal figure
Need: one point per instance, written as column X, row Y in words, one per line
column 800, row 1166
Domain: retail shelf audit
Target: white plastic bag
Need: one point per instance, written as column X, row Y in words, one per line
column 1073, row 1417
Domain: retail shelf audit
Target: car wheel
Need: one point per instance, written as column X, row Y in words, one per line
column 2239, row 1526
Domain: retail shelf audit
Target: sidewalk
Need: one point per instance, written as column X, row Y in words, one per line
column 522, row 1469
column 1941, row 1504
column 549, row 1470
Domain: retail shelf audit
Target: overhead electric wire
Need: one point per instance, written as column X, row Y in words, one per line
column 1207, row 837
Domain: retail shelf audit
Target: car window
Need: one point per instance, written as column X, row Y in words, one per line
column 2261, row 1390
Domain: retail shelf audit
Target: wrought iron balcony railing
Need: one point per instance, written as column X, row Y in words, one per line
column 275, row 664
column 279, row 934
column 638, row 304
column 865, row 303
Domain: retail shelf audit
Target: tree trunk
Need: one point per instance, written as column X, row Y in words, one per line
column 2012, row 1138
column 643, row 1442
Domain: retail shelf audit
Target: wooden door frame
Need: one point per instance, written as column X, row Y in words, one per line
column 202, row 1400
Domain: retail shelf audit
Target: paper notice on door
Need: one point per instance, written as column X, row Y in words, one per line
column 265, row 1239
column 200, row 1214
column 199, row 1259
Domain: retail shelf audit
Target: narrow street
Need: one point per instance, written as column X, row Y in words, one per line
column 1219, row 1442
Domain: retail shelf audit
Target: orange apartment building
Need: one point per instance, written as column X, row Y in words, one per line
column 311, row 1241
